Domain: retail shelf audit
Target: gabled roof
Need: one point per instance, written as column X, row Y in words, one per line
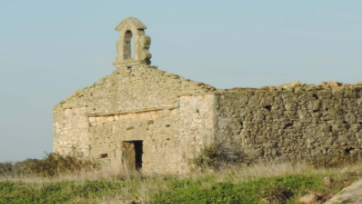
column 137, row 23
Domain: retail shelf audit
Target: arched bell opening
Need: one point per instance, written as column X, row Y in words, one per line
column 128, row 45
column 133, row 45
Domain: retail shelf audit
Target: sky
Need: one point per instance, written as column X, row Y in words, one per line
column 49, row 49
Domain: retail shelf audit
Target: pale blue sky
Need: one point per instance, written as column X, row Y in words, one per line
column 49, row 49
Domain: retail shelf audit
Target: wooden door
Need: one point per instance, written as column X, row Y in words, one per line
column 129, row 155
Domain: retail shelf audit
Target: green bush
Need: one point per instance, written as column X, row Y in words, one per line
column 55, row 163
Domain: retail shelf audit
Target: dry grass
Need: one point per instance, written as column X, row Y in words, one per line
column 140, row 187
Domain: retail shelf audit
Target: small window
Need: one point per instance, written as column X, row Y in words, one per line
column 128, row 45
column 105, row 155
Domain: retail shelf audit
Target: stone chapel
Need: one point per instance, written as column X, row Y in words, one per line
column 156, row 121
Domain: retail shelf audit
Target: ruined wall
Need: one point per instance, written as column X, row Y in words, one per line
column 136, row 104
column 295, row 122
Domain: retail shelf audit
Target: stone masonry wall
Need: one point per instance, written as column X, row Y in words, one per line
column 71, row 131
column 176, row 117
column 294, row 121
column 157, row 130
column 134, row 90
column 170, row 114
column 197, row 126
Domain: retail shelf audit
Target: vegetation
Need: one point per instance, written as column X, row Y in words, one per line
column 23, row 167
column 51, row 165
column 279, row 188
column 79, row 182
column 54, row 164
column 225, row 187
column 208, row 158
column 56, row 192
column 5, row 167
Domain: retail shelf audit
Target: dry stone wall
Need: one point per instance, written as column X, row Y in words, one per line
column 289, row 122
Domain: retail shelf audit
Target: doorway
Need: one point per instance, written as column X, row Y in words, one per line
column 132, row 154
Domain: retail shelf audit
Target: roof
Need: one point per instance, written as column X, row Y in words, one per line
column 137, row 23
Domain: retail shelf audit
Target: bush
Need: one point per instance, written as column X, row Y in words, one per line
column 209, row 157
column 5, row 167
column 55, row 163
column 21, row 167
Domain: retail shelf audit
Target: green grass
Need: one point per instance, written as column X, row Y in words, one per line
column 19, row 192
column 58, row 192
column 286, row 182
column 285, row 187
column 64, row 179
column 186, row 190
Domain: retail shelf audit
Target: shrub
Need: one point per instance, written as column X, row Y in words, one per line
column 209, row 157
column 55, row 163
column 21, row 167
column 5, row 167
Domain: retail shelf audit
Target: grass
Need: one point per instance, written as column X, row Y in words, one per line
column 282, row 188
column 286, row 182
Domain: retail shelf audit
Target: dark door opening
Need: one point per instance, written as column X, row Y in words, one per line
column 132, row 154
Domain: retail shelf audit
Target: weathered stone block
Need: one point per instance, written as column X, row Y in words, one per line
column 317, row 105
column 276, row 114
column 290, row 114
column 350, row 118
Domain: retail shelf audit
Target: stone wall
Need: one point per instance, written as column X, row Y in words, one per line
column 294, row 121
column 196, row 125
column 155, row 128
column 170, row 114
column 71, row 131
column 175, row 118
column 134, row 90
